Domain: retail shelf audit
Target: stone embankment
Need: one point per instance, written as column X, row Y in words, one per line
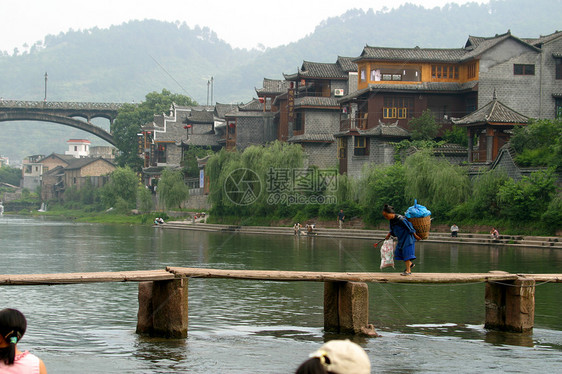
column 374, row 235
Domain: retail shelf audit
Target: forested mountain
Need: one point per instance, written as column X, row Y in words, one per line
column 125, row 62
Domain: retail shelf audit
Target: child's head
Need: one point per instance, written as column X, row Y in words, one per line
column 12, row 327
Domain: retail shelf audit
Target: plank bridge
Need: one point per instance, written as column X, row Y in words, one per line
column 163, row 294
column 74, row 114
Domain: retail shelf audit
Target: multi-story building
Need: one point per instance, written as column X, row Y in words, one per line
column 309, row 112
column 78, row 148
column 398, row 84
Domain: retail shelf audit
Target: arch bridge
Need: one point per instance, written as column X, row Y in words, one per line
column 74, row 114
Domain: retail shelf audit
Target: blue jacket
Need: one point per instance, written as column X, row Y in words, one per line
column 403, row 230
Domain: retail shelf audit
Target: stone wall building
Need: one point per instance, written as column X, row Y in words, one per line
column 96, row 170
column 396, row 85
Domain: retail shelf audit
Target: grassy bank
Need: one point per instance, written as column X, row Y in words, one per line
column 109, row 217
column 505, row 227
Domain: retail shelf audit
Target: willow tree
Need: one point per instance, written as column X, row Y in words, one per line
column 240, row 181
column 435, row 182
column 379, row 185
column 171, row 189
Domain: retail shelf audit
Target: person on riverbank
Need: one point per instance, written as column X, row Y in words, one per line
column 341, row 218
column 454, row 231
column 337, row 357
column 494, row 233
column 401, row 228
column 12, row 328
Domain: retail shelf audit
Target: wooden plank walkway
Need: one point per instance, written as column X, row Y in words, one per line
column 163, row 294
column 73, row 278
column 268, row 275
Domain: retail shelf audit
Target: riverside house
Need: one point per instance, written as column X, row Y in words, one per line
column 398, row 84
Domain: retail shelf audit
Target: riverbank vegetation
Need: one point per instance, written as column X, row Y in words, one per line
column 532, row 205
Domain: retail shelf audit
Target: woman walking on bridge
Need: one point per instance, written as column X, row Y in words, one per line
column 406, row 234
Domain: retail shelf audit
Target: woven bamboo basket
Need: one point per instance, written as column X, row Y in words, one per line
column 422, row 226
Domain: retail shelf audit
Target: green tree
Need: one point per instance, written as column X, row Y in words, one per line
column 381, row 185
column 485, row 193
column 529, row 198
column 539, row 143
column 121, row 188
column 435, row 182
column 553, row 215
column 424, row 127
column 456, row 135
column 190, row 166
column 144, row 197
column 171, row 189
column 268, row 163
column 10, row 175
column 131, row 117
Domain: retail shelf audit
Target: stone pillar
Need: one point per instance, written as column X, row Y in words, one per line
column 489, row 144
column 470, row 144
column 346, row 307
column 510, row 305
column 163, row 308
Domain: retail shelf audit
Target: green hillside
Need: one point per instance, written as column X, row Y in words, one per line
column 125, row 62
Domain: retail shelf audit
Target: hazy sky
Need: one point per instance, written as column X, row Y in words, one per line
column 242, row 23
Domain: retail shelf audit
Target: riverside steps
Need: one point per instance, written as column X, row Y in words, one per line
column 163, row 294
column 375, row 235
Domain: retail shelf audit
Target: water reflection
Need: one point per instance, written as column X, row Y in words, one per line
column 238, row 326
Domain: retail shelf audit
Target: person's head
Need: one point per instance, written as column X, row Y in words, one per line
column 341, row 210
column 388, row 211
column 12, row 327
column 337, row 357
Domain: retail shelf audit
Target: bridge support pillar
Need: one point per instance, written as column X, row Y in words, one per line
column 163, row 308
column 346, row 307
column 510, row 305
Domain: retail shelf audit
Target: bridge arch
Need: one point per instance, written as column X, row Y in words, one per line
column 63, row 113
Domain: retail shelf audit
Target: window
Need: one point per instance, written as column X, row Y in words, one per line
column 375, row 75
column 360, row 146
column 395, row 73
column 558, row 109
column 342, row 148
column 521, row 69
column 559, row 68
column 442, row 72
column 398, row 107
column 471, row 70
column 299, row 122
column 75, row 148
column 161, row 153
column 363, row 75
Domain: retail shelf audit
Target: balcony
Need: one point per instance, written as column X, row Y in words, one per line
column 351, row 124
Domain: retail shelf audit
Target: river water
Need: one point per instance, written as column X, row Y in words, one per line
column 238, row 326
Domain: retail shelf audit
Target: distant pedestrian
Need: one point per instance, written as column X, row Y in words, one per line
column 341, row 218
column 494, row 233
column 12, row 328
column 454, row 231
column 337, row 357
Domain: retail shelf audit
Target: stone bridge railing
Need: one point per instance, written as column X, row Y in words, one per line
column 64, row 105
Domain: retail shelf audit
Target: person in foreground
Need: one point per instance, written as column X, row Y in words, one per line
column 406, row 234
column 337, row 357
column 12, row 327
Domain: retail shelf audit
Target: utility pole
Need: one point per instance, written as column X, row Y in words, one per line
column 46, row 76
column 212, row 84
column 208, row 84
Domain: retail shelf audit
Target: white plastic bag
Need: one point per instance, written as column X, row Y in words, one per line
column 387, row 254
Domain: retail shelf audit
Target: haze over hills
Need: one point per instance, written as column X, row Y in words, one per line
column 125, row 62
